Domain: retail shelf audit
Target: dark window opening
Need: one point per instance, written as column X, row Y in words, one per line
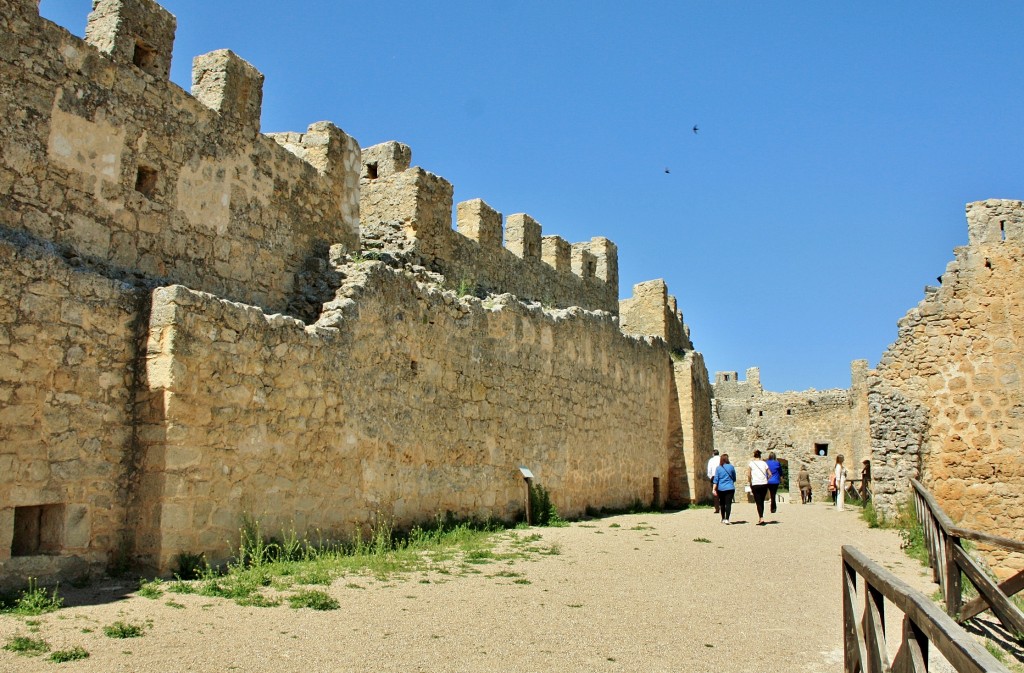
column 820, row 449
column 789, row 412
column 760, row 413
column 1002, row 230
column 748, row 412
column 145, row 182
column 726, row 378
column 144, row 56
column 38, row 529
column 371, row 170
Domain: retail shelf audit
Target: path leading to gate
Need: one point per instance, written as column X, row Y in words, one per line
column 645, row 593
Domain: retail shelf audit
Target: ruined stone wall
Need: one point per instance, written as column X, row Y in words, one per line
column 652, row 310
column 67, row 353
column 947, row 398
column 797, row 426
column 102, row 155
column 403, row 400
column 408, row 210
column 693, row 389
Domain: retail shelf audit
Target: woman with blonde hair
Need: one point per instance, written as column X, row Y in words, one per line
column 840, row 476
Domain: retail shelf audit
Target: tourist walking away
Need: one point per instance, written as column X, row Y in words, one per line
column 865, row 481
column 774, row 477
column 724, row 487
column 803, row 480
column 757, row 475
column 713, row 463
column 840, row 475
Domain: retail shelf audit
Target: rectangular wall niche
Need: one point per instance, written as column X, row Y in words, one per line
column 820, row 449
column 38, row 529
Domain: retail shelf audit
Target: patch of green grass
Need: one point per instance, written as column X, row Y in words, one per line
column 151, row 589
column 522, row 581
column 122, row 629
column 175, row 604
column 315, row 600
column 574, row 605
column 257, row 600
column 614, row 525
column 701, row 539
column 996, row 651
column 30, row 647
column 181, row 587
column 73, row 654
column 35, row 601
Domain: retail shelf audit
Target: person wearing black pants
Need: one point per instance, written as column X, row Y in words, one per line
column 757, row 476
column 724, row 487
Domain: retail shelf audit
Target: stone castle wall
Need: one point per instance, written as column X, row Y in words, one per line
column 400, row 400
column 947, row 396
column 189, row 332
column 409, row 211
column 104, row 156
column 68, row 346
column 797, row 426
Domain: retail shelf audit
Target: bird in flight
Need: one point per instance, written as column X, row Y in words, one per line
column 695, row 128
column 667, row 170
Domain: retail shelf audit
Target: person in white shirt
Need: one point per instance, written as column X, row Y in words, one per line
column 841, row 474
column 713, row 464
column 757, row 476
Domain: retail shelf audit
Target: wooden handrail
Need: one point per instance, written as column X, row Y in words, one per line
column 949, row 562
column 924, row 623
column 951, row 528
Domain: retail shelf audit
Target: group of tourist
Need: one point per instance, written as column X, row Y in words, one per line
column 764, row 478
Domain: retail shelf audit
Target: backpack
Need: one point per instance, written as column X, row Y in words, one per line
column 832, row 481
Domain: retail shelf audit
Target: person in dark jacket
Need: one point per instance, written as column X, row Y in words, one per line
column 724, row 487
column 774, row 477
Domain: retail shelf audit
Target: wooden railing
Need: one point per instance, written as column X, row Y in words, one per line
column 948, row 560
column 864, row 641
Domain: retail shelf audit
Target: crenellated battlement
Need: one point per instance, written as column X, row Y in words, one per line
column 995, row 220
column 652, row 311
column 407, row 210
column 129, row 171
column 133, row 32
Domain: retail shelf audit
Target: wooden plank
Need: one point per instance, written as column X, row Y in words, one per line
column 986, row 538
column 854, row 652
column 978, row 605
column 951, row 577
column 1004, row 610
column 933, row 506
column 957, row 646
column 912, row 656
column 874, row 631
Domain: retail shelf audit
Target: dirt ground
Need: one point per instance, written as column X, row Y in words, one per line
column 646, row 592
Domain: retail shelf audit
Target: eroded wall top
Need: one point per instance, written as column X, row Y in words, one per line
column 107, row 158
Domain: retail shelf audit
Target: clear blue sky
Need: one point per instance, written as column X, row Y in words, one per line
column 838, row 141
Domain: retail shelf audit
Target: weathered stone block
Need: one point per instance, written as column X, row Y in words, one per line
column 556, row 254
column 137, row 32
column 222, row 81
column 479, row 222
column 522, row 236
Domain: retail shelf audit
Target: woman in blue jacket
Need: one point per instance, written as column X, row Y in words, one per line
column 774, row 477
column 724, row 487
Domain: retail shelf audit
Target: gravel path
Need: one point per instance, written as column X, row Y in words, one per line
column 638, row 592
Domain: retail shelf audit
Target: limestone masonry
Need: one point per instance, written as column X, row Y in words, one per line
column 945, row 403
column 200, row 322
